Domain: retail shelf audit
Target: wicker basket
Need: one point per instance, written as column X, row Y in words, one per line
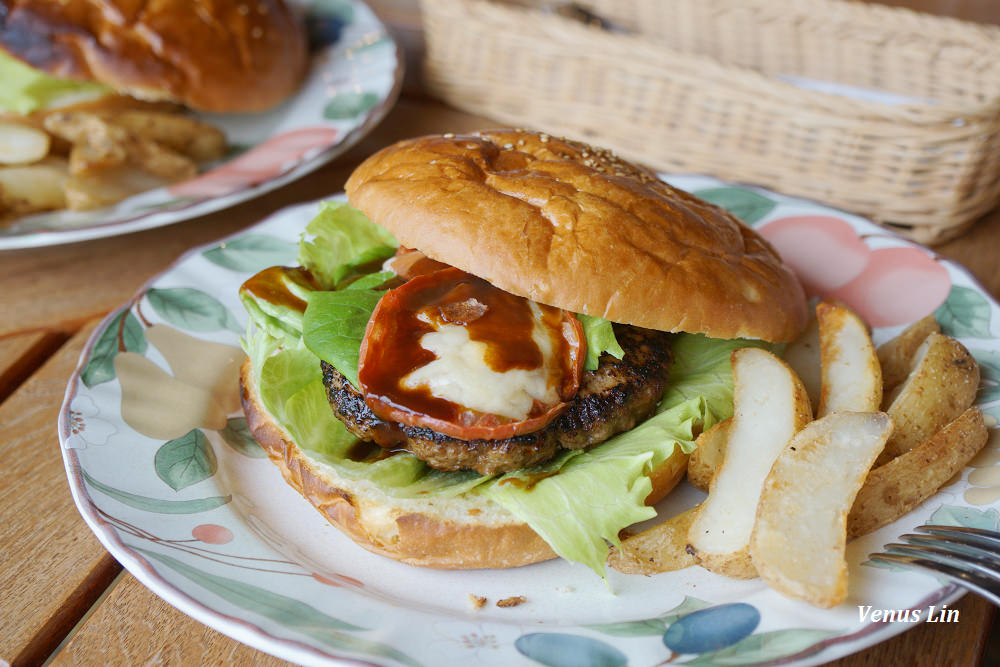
column 702, row 86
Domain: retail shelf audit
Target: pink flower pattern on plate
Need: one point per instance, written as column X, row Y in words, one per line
column 885, row 286
column 258, row 164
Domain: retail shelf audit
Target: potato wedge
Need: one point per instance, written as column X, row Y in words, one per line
column 770, row 406
column 32, row 188
column 800, row 536
column 161, row 161
column 100, row 145
column 197, row 140
column 942, row 385
column 896, row 355
column 893, row 489
column 707, row 458
column 85, row 158
column 851, row 374
column 803, row 355
column 661, row 548
column 107, row 186
column 97, row 143
column 22, row 144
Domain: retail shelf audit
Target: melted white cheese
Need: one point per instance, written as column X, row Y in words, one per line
column 461, row 375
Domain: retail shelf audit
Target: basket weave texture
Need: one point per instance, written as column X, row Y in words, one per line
column 702, row 86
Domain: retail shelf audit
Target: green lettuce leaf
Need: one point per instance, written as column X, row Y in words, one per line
column 600, row 339
column 281, row 323
column 371, row 281
column 598, row 492
column 340, row 239
column 26, row 89
column 334, row 325
column 277, row 319
column 701, row 369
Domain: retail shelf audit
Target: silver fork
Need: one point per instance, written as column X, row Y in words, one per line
column 968, row 556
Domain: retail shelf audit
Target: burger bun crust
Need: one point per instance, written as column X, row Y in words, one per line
column 575, row 227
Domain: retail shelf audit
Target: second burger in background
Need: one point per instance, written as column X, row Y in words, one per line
column 92, row 94
column 510, row 366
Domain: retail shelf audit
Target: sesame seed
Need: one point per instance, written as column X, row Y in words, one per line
column 449, row 135
column 257, row 32
column 243, row 10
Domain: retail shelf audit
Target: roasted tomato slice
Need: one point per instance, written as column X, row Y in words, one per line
column 450, row 352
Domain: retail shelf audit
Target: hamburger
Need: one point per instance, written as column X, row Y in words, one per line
column 502, row 348
column 226, row 56
column 93, row 92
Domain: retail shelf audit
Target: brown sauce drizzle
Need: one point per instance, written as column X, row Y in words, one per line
column 503, row 321
column 528, row 482
column 269, row 285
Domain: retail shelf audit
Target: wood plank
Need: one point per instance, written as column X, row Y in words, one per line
column 960, row 644
column 977, row 251
column 116, row 635
column 21, row 354
column 54, row 567
column 63, row 286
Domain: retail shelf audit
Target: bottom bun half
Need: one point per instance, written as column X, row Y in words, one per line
column 462, row 532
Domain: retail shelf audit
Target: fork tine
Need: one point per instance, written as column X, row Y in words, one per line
column 979, row 536
column 960, row 573
column 958, row 546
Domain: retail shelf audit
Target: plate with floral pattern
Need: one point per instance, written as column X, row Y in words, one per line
column 354, row 78
column 165, row 472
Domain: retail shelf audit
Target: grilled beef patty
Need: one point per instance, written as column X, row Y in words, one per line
column 611, row 399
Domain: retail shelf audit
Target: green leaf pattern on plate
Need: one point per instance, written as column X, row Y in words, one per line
column 652, row 626
column 192, row 309
column 252, row 253
column 284, row 610
column 157, row 505
column 348, row 105
column 964, row 314
column 118, row 333
column 238, row 436
column 970, row 517
column 342, row 9
column 763, row 647
column 747, row 205
column 186, row 460
column 989, row 371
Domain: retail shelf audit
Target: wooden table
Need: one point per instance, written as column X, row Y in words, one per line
column 62, row 597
